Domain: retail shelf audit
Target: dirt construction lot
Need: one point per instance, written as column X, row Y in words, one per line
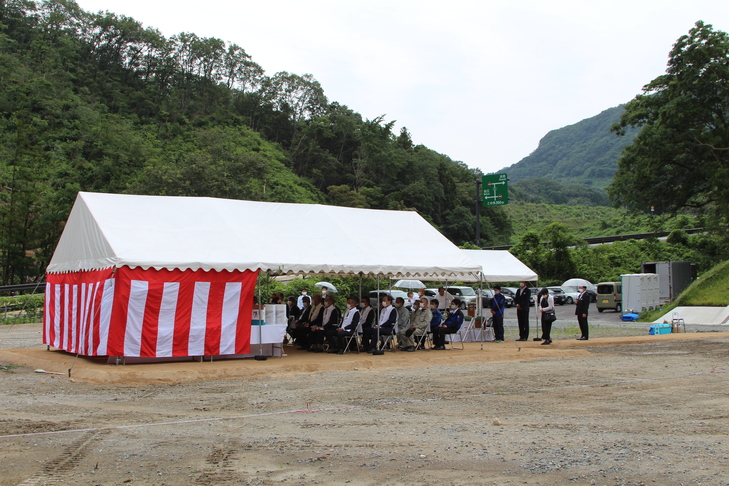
column 609, row 411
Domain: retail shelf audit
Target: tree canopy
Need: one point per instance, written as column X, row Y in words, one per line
column 97, row 102
column 680, row 158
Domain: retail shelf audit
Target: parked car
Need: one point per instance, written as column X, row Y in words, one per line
column 375, row 299
column 559, row 296
column 609, row 296
column 571, row 294
column 511, row 292
column 465, row 294
column 488, row 294
column 572, row 284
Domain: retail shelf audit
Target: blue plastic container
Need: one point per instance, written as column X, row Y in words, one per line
column 660, row 329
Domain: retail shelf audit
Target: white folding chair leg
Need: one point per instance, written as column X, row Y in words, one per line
column 462, row 333
column 385, row 341
column 354, row 337
column 424, row 341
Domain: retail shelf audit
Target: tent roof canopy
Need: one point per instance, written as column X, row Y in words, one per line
column 113, row 230
column 498, row 266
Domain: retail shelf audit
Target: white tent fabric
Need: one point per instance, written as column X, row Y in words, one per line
column 190, row 233
column 498, row 266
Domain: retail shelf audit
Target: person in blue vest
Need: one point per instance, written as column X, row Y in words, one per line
column 498, row 305
column 450, row 326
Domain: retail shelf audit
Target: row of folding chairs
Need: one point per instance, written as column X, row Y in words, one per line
column 423, row 341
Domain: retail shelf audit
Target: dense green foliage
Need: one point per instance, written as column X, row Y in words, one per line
column 585, row 153
column 680, row 158
column 548, row 191
column 556, row 254
column 591, row 221
column 96, row 102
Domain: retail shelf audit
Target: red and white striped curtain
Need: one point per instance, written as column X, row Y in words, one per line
column 150, row 313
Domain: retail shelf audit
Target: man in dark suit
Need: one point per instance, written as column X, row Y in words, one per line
column 583, row 304
column 523, row 294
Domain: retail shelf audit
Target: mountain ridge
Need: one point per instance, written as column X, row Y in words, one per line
column 585, row 152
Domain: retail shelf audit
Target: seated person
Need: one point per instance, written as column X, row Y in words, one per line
column 348, row 327
column 404, row 340
column 436, row 316
column 316, row 314
column 388, row 319
column 366, row 314
column 329, row 324
column 451, row 325
column 300, row 331
column 420, row 320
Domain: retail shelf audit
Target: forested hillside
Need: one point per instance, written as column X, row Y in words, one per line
column 96, row 102
column 585, row 153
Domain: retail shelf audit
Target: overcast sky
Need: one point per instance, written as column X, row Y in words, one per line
column 481, row 82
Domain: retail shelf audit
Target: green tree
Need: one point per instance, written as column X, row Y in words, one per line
column 680, row 158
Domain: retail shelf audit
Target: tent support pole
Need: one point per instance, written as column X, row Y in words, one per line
column 536, row 315
column 260, row 356
column 376, row 352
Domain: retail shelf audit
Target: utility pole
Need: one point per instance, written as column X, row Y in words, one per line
column 478, row 213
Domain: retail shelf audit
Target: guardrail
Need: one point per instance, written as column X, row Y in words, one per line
column 610, row 239
column 38, row 287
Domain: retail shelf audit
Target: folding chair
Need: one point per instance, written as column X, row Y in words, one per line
column 387, row 340
column 289, row 329
column 424, row 341
column 462, row 333
column 356, row 338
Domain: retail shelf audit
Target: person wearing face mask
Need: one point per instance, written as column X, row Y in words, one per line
column 419, row 321
column 316, row 314
column 349, row 325
column 450, row 326
column 300, row 300
column 366, row 314
column 388, row 319
column 301, row 329
column 330, row 322
column 498, row 306
column 404, row 341
column 436, row 316
column 523, row 295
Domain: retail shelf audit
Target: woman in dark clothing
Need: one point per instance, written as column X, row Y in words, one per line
column 546, row 304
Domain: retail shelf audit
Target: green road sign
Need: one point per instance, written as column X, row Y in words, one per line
column 495, row 190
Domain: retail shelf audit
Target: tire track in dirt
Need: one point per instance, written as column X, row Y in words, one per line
column 219, row 466
column 53, row 471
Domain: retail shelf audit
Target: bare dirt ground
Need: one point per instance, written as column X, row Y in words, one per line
column 609, row 411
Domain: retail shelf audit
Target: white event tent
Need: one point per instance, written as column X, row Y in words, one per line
column 155, row 276
column 498, row 266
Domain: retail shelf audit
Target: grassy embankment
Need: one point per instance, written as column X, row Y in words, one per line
column 712, row 289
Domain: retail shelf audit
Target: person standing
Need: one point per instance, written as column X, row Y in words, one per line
column 546, row 304
column 523, row 295
column 583, row 304
column 300, row 300
column 498, row 306
column 444, row 299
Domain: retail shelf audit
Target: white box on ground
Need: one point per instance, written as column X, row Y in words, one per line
column 640, row 291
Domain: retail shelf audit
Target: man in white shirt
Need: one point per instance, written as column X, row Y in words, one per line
column 444, row 299
column 300, row 300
